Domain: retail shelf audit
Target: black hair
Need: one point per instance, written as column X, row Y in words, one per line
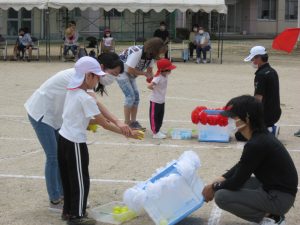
column 26, row 30
column 265, row 57
column 21, row 29
column 162, row 23
column 248, row 107
column 72, row 22
column 109, row 60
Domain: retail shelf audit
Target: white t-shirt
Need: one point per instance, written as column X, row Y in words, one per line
column 107, row 41
column 160, row 89
column 79, row 109
column 132, row 57
column 48, row 100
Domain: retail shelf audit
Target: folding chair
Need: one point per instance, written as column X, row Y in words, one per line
column 3, row 47
column 35, row 47
column 173, row 48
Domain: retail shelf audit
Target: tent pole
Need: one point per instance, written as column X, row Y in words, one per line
column 143, row 27
column 135, row 28
column 222, row 36
column 47, row 32
column 219, row 36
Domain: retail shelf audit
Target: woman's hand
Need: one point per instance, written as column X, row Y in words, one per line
column 138, row 134
column 126, row 130
column 208, row 193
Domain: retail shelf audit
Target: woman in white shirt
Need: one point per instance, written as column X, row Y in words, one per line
column 136, row 60
column 45, row 109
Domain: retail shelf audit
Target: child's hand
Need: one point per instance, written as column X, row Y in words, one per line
column 138, row 134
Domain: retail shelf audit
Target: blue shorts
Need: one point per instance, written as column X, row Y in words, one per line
column 130, row 90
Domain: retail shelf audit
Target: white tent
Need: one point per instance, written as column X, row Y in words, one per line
column 120, row 5
column 27, row 4
column 144, row 5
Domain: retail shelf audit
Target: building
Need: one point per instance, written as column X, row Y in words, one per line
column 248, row 17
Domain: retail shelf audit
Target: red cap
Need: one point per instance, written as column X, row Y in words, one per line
column 107, row 30
column 164, row 64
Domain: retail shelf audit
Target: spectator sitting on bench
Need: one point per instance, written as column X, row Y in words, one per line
column 71, row 38
column 202, row 41
column 192, row 44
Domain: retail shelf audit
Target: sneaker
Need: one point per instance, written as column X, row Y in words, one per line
column 81, row 221
column 136, row 125
column 297, row 134
column 66, row 216
column 159, row 135
column 270, row 221
column 56, row 206
column 198, row 61
column 204, row 61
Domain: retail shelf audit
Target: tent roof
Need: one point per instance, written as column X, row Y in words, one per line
column 144, row 5
column 120, row 5
column 27, row 4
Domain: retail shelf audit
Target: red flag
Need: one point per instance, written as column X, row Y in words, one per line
column 286, row 40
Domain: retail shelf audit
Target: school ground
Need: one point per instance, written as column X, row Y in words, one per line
column 116, row 163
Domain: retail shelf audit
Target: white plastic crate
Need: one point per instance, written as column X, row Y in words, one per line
column 172, row 194
column 213, row 133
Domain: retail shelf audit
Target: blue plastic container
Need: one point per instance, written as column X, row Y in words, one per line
column 208, row 133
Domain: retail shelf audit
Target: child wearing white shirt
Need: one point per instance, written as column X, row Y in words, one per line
column 157, row 99
column 80, row 110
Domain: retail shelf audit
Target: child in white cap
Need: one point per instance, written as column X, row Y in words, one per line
column 80, row 110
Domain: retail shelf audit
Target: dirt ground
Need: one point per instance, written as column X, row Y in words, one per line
column 116, row 162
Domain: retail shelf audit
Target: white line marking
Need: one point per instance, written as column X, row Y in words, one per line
column 215, row 215
column 194, row 99
column 95, row 180
column 198, row 146
column 140, row 119
column 162, row 145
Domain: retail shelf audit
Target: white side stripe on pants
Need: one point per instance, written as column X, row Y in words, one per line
column 80, row 179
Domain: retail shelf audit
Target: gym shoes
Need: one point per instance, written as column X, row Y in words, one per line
column 198, row 61
column 56, row 206
column 297, row 134
column 81, row 221
column 270, row 221
column 204, row 61
column 159, row 135
column 136, row 125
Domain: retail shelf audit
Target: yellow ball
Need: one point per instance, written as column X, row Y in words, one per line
column 93, row 127
column 163, row 222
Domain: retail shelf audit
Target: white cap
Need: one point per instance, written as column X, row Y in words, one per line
column 84, row 65
column 256, row 50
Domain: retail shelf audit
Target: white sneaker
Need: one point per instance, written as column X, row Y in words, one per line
column 204, row 61
column 269, row 221
column 198, row 60
column 159, row 135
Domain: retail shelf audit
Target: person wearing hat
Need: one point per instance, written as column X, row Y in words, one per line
column 262, row 186
column 266, row 87
column 107, row 43
column 45, row 109
column 80, row 110
column 158, row 86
